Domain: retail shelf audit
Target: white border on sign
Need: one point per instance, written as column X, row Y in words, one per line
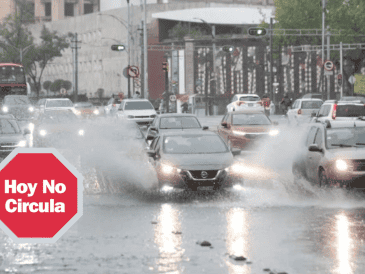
column 80, row 191
column 327, row 62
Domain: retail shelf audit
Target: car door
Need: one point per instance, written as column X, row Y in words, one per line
column 314, row 158
column 309, row 154
column 293, row 111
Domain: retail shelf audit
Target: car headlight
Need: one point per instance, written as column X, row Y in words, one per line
column 341, row 165
column 131, row 116
column 77, row 112
column 22, row 144
column 239, row 133
column 167, row 169
column 5, row 109
column 81, row 132
column 42, row 132
column 96, row 112
column 273, row 132
column 31, row 109
column 153, row 116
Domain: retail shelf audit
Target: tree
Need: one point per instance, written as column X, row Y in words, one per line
column 47, row 85
column 67, row 85
column 51, row 47
column 56, row 85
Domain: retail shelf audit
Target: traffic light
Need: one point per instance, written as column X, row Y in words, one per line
column 339, row 80
column 257, row 31
column 228, row 49
column 118, row 47
column 165, row 66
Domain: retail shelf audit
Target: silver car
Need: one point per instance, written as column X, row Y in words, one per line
column 302, row 110
column 140, row 111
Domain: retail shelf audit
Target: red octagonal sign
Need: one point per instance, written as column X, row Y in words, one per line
column 40, row 195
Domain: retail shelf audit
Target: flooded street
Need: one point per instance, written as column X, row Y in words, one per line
column 124, row 234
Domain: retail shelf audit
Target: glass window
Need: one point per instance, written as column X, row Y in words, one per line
column 225, row 118
column 345, row 137
column 16, row 100
column 134, row 105
column 84, row 105
column 250, row 98
column 311, row 134
column 324, row 111
column 194, row 144
column 58, row 103
column 69, row 9
column 48, row 9
column 235, row 98
column 350, row 110
column 9, row 126
column 311, row 104
column 179, row 122
column 12, row 74
column 154, row 142
column 250, row 119
column 88, row 8
column 296, row 104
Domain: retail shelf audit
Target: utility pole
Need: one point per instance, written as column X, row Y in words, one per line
column 271, row 65
column 75, row 59
column 129, row 53
column 328, row 58
column 142, row 61
column 341, row 70
column 145, row 44
column 323, row 57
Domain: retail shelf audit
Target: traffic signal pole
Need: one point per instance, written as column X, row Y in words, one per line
column 341, row 69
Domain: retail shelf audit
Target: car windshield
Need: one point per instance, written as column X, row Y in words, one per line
column 9, row 126
column 58, row 117
column 141, row 105
column 12, row 74
column 179, row 122
column 250, row 119
column 194, row 144
column 250, row 98
column 350, row 110
column 311, row 104
column 16, row 100
column 345, row 137
column 84, row 105
column 58, row 103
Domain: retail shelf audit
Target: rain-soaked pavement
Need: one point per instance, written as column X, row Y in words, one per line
column 278, row 225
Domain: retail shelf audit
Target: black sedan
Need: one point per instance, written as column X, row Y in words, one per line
column 172, row 122
column 196, row 160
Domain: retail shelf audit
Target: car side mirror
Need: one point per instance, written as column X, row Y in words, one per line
column 314, row 148
column 275, row 123
column 205, row 128
column 235, row 151
column 26, row 131
column 150, row 137
column 151, row 153
column 153, row 129
column 224, row 124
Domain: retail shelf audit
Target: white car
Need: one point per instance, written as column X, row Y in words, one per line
column 112, row 106
column 340, row 110
column 245, row 101
column 303, row 109
column 140, row 111
column 58, row 104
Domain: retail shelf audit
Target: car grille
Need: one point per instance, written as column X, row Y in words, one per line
column 197, row 174
column 359, row 165
column 141, row 117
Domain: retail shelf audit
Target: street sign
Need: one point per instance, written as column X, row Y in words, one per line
column 172, row 98
column 352, row 80
column 327, row 72
column 40, row 203
column 328, row 65
column 133, row 71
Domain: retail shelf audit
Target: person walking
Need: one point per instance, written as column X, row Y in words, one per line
column 137, row 95
column 266, row 104
column 285, row 104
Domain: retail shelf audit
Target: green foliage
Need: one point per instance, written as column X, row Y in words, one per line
column 47, row 84
column 67, row 85
column 181, row 30
column 56, row 85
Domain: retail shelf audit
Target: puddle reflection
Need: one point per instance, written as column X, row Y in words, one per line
column 237, row 240
column 169, row 240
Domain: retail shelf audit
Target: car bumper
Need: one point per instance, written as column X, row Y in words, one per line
column 249, row 144
column 141, row 121
column 353, row 179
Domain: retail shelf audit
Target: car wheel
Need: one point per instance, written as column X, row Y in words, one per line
column 322, row 178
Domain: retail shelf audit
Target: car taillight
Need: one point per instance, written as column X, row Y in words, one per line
column 241, row 103
column 113, row 105
column 299, row 111
column 260, row 103
column 334, row 112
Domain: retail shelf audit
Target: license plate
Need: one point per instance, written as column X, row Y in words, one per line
column 250, row 105
column 205, row 188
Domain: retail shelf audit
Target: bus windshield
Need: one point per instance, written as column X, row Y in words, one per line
column 12, row 75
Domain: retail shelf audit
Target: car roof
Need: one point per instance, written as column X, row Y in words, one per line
column 163, row 115
column 187, row 133
column 48, row 99
column 356, row 102
column 135, row 100
column 344, row 124
column 311, row 99
column 247, row 95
